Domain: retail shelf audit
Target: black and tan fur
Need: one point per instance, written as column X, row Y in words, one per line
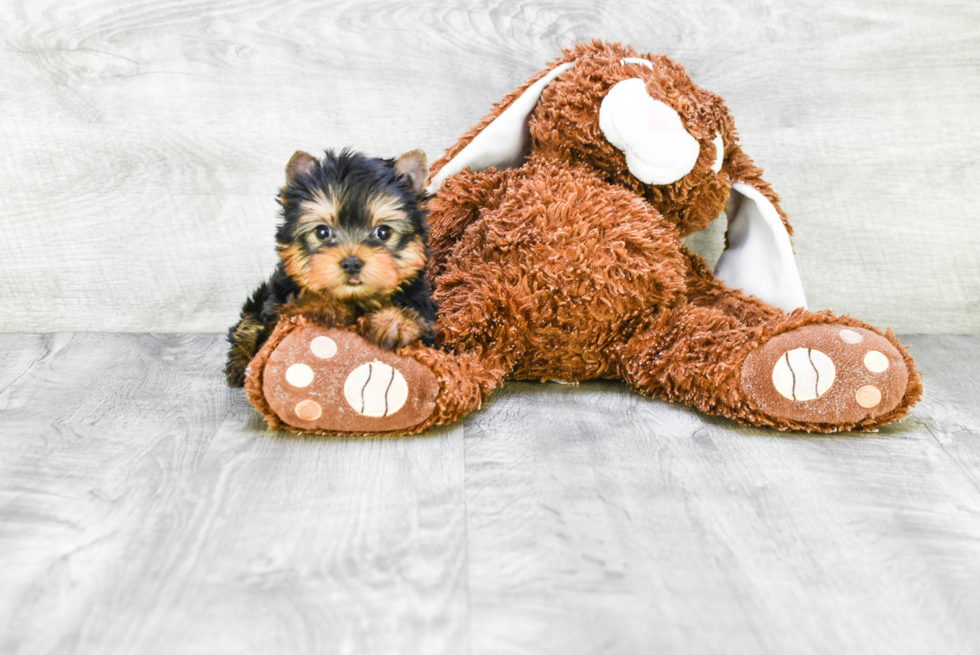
column 353, row 250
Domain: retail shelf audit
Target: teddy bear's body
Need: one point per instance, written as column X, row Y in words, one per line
column 555, row 230
column 555, row 273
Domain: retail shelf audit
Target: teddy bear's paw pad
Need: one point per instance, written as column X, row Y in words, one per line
column 337, row 381
column 376, row 389
column 825, row 374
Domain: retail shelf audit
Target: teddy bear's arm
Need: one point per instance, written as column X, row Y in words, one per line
column 459, row 203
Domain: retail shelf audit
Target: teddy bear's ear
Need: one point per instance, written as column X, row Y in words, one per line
column 758, row 258
column 506, row 140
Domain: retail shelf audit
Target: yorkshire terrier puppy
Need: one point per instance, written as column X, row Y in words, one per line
column 353, row 249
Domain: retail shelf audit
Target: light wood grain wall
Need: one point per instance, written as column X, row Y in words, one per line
column 141, row 144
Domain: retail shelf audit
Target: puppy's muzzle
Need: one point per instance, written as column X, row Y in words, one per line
column 351, row 265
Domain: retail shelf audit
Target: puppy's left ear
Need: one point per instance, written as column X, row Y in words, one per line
column 414, row 167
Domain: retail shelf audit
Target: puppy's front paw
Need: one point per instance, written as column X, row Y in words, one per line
column 393, row 327
column 326, row 312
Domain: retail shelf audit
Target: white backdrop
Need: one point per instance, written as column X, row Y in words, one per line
column 141, row 144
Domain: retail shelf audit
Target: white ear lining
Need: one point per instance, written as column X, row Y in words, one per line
column 503, row 143
column 636, row 60
column 719, row 145
column 759, row 258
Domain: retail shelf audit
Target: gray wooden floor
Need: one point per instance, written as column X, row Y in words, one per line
column 144, row 509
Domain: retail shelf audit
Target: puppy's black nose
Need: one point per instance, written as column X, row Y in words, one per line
column 352, row 265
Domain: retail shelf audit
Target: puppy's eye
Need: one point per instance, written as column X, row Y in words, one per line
column 323, row 232
column 383, row 232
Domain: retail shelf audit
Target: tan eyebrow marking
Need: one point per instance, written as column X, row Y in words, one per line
column 322, row 209
column 385, row 208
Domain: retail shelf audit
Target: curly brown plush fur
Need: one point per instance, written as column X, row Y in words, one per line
column 570, row 268
column 565, row 127
column 554, row 271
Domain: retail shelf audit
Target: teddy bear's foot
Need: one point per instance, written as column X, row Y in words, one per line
column 826, row 374
column 334, row 381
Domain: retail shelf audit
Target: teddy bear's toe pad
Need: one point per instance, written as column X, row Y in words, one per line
column 825, row 374
column 336, row 381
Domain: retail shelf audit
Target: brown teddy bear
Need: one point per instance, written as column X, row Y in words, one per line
column 555, row 231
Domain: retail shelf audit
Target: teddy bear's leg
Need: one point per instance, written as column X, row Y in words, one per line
column 311, row 379
column 703, row 289
column 798, row 371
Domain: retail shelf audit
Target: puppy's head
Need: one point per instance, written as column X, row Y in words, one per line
column 353, row 227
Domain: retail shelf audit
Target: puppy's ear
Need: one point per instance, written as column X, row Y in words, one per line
column 415, row 168
column 299, row 164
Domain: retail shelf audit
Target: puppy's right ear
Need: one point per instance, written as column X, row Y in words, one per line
column 300, row 163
